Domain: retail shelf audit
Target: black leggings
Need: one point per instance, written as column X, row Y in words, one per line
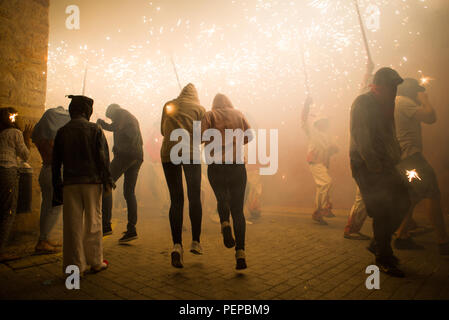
column 173, row 176
column 229, row 182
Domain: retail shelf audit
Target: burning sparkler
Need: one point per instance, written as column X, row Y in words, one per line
column 12, row 117
column 412, row 174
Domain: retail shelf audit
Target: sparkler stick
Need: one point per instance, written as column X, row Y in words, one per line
column 176, row 72
column 362, row 29
column 306, row 77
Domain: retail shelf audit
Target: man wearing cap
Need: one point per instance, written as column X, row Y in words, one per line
column 374, row 155
column 81, row 148
column 128, row 158
column 412, row 109
column 320, row 150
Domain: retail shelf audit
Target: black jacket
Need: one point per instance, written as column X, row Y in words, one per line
column 127, row 137
column 82, row 150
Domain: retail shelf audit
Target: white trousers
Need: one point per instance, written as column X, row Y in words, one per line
column 83, row 233
column 323, row 185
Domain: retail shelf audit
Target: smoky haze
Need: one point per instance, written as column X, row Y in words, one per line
column 252, row 51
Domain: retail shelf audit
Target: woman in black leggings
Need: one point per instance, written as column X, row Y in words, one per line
column 180, row 114
column 228, row 178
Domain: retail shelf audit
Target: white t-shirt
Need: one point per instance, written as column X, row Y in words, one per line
column 408, row 128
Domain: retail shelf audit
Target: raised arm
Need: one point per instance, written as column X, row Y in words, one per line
column 427, row 113
column 106, row 126
column 305, row 113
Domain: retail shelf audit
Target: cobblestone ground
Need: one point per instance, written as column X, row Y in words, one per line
column 289, row 257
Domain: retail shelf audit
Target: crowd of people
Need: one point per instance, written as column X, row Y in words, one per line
column 77, row 176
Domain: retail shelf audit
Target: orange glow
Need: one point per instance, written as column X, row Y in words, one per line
column 12, row 117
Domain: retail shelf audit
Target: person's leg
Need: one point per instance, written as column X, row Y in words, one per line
column 92, row 238
column 237, row 183
column 73, row 212
column 322, row 182
column 356, row 219
column 192, row 173
column 173, row 176
column 117, row 169
column 436, row 217
column 49, row 214
column 9, row 193
column 217, row 180
column 129, row 187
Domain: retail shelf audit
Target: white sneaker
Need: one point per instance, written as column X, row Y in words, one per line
column 176, row 256
column 196, row 248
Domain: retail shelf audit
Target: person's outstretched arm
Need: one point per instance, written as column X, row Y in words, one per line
column 427, row 113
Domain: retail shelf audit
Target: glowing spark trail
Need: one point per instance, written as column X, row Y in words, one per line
column 412, row 174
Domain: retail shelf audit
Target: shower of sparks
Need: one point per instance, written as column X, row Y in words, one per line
column 255, row 57
column 412, row 174
column 12, row 117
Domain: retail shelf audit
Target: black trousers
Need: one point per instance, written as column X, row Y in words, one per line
column 9, row 193
column 130, row 168
column 387, row 201
column 229, row 183
column 173, row 176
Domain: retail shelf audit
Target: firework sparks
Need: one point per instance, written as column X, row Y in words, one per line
column 412, row 174
column 12, row 117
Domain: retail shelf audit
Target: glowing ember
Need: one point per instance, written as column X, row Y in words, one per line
column 425, row 80
column 12, row 117
column 412, row 174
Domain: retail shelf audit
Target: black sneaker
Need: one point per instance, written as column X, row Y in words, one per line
column 388, row 266
column 241, row 264
column 128, row 236
column 107, row 231
column 228, row 239
column 407, row 244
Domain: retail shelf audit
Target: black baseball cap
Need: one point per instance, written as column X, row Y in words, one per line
column 388, row 77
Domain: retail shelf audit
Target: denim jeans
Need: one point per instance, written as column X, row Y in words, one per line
column 49, row 214
column 130, row 168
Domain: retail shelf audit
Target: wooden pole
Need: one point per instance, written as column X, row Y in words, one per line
column 362, row 29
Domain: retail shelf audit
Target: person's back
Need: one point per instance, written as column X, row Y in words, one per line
column 408, row 128
column 372, row 134
column 222, row 117
column 78, row 145
column 127, row 136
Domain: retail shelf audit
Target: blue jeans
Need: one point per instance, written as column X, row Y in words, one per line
column 49, row 214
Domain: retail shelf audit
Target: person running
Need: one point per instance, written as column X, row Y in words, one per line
column 14, row 144
column 228, row 177
column 413, row 108
column 358, row 214
column 374, row 153
column 128, row 158
column 43, row 137
column 81, row 150
column 181, row 113
column 320, row 150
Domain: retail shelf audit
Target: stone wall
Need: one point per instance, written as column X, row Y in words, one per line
column 24, row 29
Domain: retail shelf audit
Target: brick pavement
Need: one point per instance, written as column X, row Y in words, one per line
column 289, row 257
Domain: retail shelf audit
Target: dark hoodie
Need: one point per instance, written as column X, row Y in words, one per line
column 224, row 116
